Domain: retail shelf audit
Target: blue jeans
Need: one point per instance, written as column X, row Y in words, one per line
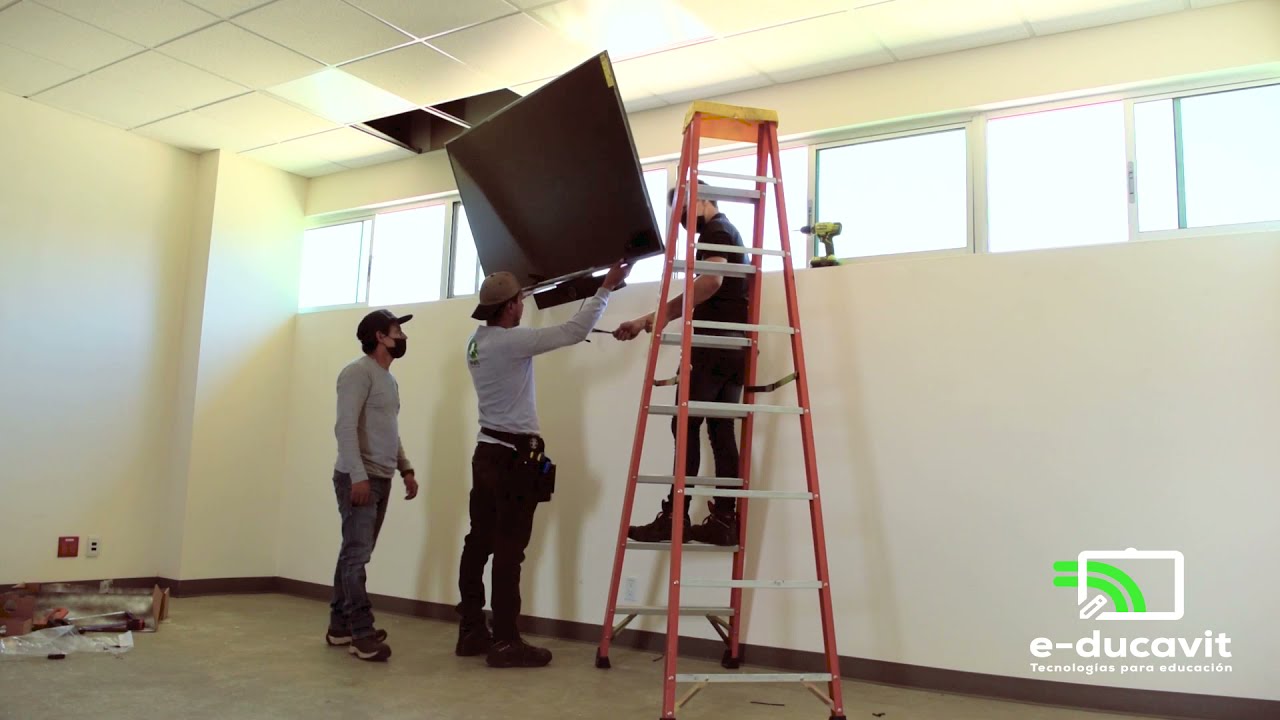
column 350, row 607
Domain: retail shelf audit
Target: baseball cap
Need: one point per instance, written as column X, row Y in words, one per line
column 378, row 321
column 495, row 291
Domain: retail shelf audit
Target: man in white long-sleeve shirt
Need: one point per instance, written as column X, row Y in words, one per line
column 500, row 356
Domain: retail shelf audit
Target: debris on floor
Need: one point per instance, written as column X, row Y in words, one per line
column 53, row 619
column 770, row 704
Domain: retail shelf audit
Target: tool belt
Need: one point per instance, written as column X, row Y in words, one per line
column 535, row 474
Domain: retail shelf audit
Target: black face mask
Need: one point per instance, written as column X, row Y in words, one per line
column 399, row 349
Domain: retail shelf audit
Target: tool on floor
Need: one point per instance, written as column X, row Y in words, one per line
column 826, row 233
column 714, row 120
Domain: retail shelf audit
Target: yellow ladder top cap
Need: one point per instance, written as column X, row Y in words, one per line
column 721, row 111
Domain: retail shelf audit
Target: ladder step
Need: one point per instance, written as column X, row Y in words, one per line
column 736, row 176
column 698, row 408
column 757, row 584
column 707, row 267
column 686, row 547
column 662, row 610
column 750, row 494
column 710, row 341
column 690, row 481
column 754, row 677
column 742, row 327
column 738, row 249
column 711, row 192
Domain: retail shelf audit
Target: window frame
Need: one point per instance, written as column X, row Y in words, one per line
column 365, row 271
column 914, row 130
column 1135, row 235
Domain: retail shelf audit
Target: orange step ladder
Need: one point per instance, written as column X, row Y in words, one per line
column 715, row 120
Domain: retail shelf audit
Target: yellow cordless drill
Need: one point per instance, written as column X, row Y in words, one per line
column 826, row 232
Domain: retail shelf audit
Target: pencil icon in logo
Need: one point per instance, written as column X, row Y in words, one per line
column 1110, row 583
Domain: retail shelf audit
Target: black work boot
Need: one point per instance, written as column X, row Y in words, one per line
column 660, row 529
column 370, row 649
column 473, row 640
column 517, row 653
column 718, row 528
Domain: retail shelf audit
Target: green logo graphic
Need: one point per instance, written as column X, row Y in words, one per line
column 1089, row 572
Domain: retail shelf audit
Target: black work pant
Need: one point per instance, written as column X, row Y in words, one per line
column 715, row 375
column 501, row 523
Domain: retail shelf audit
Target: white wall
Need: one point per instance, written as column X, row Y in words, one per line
column 977, row 417
column 238, row 404
column 94, row 226
column 1226, row 42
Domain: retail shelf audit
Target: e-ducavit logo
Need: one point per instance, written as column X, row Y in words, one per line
column 1129, row 585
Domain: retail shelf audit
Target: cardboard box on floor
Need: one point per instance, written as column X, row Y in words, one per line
column 16, row 611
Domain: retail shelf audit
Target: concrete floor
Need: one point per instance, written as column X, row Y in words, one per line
column 263, row 656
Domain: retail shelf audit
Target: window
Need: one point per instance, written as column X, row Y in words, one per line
column 1208, row 160
column 795, row 175
column 333, row 265
column 466, row 260
column 900, row 195
column 1057, row 179
column 408, row 249
column 655, row 185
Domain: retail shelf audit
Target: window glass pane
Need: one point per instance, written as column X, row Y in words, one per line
column 902, row 195
column 331, row 263
column 655, row 185
column 408, row 248
column 1157, row 174
column 466, row 262
column 795, row 175
column 1057, row 179
column 1231, row 152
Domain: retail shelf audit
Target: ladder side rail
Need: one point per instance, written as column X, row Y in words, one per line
column 810, row 454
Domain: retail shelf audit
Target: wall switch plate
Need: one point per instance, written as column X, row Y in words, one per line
column 68, row 546
column 92, row 546
column 630, row 593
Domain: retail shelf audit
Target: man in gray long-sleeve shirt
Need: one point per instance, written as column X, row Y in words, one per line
column 369, row 453
column 500, row 357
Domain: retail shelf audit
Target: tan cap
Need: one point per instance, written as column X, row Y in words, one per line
column 495, row 291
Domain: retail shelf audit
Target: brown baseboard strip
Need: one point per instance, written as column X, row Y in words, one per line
column 219, row 586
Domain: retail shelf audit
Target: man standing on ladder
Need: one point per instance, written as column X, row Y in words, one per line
column 715, row 375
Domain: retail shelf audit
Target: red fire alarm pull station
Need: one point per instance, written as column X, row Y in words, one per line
column 68, row 546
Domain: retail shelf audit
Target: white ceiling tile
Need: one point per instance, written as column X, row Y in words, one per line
column 25, row 74
column 514, row 50
column 104, row 101
column 915, row 28
column 645, row 103
column 353, row 148
column 626, row 28
column 1055, row 16
column 667, row 74
column 228, row 8
column 422, row 75
column 53, row 36
column 810, row 48
column 293, row 161
column 164, row 78
column 149, row 22
column 749, row 15
column 240, row 56
column 340, row 97
column 193, row 131
column 259, row 119
column 424, row 19
column 330, row 31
